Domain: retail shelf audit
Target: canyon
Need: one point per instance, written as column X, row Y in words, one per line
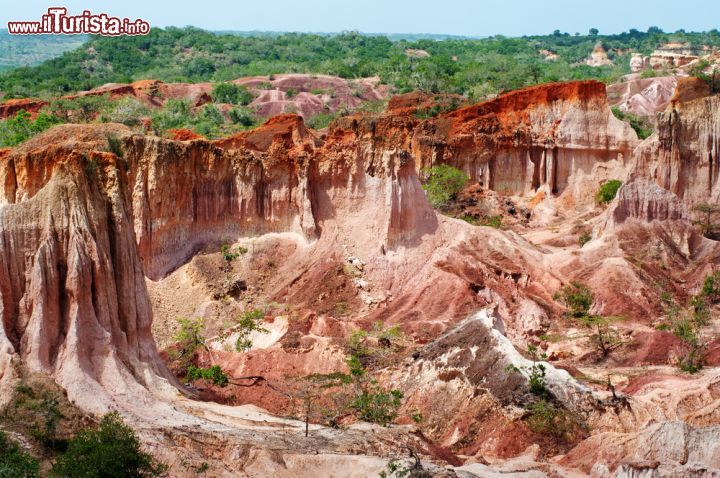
column 102, row 251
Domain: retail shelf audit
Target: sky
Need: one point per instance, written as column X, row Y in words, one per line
column 455, row 17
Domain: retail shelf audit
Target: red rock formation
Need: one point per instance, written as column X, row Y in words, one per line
column 182, row 135
column 690, row 88
column 180, row 197
column 73, row 299
column 544, row 136
column 11, row 107
column 81, row 229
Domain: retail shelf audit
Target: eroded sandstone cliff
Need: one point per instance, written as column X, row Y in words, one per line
column 682, row 156
column 82, row 228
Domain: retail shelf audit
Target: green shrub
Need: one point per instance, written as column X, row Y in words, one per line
column 375, row 404
column 21, row 127
column 128, row 110
column 396, row 469
column 559, row 423
column 242, row 116
column 488, row 221
column 213, row 374
column 643, row 128
column 687, row 324
column 688, row 331
column 536, row 372
column 648, row 73
column 577, row 297
column 82, row 109
column 390, row 333
column 111, row 450
column 443, row 183
column 174, row 114
column 711, row 287
column 491, row 221
column 698, row 71
column 607, row 191
column 359, row 347
column 232, row 93
column 227, row 253
column 372, row 402
column 115, row 146
column 321, row 120
column 209, row 121
column 584, row 238
column 15, row 463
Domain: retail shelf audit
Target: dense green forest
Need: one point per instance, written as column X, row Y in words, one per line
column 472, row 67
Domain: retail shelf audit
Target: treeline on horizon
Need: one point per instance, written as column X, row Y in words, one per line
column 474, row 68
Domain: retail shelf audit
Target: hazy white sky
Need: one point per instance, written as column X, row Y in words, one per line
column 458, row 17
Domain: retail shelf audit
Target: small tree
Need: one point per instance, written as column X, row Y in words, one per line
column 443, row 183
column 603, row 335
column 111, row 450
column 687, row 323
column 372, row 402
column 687, row 330
column 190, row 333
column 708, row 222
column 190, row 338
column 247, row 324
column 320, row 397
column 536, row 372
column 579, row 299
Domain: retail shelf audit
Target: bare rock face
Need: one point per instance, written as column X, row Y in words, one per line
column 73, row 299
column 152, row 210
column 645, row 201
column 682, row 156
column 550, row 136
column 665, row 449
column 642, row 96
column 638, row 63
column 599, row 56
column 673, row 55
